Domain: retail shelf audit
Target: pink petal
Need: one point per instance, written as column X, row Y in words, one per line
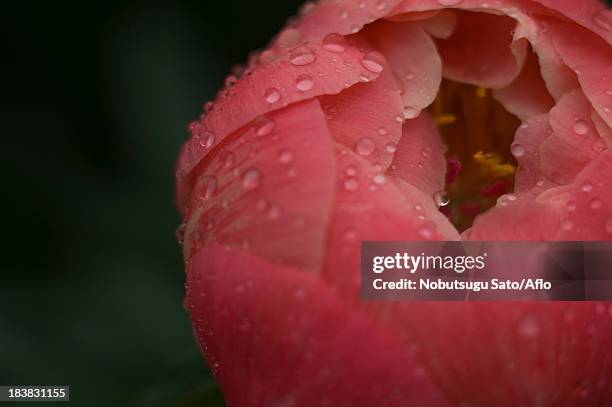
column 517, row 353
column 527, row 95
column 342, row 16
column 419, row 159
column 370, row 206
column 254, row 203
column 591, row 58
column 527, row 142
column 270, row 87
column 375, row 106
column 491, row 60
column 276, row 336
column 414, row 61
column 570, row 147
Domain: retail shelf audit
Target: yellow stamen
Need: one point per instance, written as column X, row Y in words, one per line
column 481, row 92
column 491, row 164
column 446, row 119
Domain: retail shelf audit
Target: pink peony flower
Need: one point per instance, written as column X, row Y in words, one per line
column 338, row 132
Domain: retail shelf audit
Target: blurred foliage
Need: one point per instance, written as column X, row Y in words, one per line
column 99, row 95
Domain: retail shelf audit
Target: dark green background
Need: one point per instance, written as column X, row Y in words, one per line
column 97, row 97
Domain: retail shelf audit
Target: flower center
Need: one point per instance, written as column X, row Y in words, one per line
column 478, row 132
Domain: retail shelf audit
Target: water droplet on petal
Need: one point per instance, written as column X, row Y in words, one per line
column 207, row 140
column 302, row 55
column 441, row 198
column 529, row 328
column 251, row 179
column 365, row 146
column 344, row 14
column 351, row 171
column 596, row 204
column 587, row 187
column 285, row 156
column 373, row 61
column 379, row 179
column 571, row 206
column 227, row 158
column 518, row 150
column 382, row 131
column 289, row 37
column 304, row 83
column 608, row 226
column 410, row 112
column 334, row 43
column 351, row 184
column 581, row 127
column 267, row 56
column 567, row 225
column 264, row 126
column 391, row 147
column 425, row 232
column 207, row 187
column 274, row 212
column 272, row 95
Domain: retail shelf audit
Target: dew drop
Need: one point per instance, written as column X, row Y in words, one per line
column 208, row 139
column 518, row 150
column 365, row 146
column 596, row 204
column 399, row 118
column 410, row 112
column 571, row 206
column 351, row 171
column 529, row 328
column 304, row 83
column 567, row 225
column 587, row 187
column 351, row 184
column 379, row 179
column 391, row 148
column 264, row 126
column 334, row 43
column 302, row 55
column 382, row 131
column 285, row 156
column 373, row 61
column 272, row 95
column 425, row 232
column 251, row 178
column 267, row 56
column 180, row 233
column 289, row 37
column 581, row 127
column 274, row 212
column 608, row 226
column 207, row 187
column 344, row 14
column 227, row 159
column 441, row 198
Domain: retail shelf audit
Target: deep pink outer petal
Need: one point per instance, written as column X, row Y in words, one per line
column 276, row 336
column 269, row 87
